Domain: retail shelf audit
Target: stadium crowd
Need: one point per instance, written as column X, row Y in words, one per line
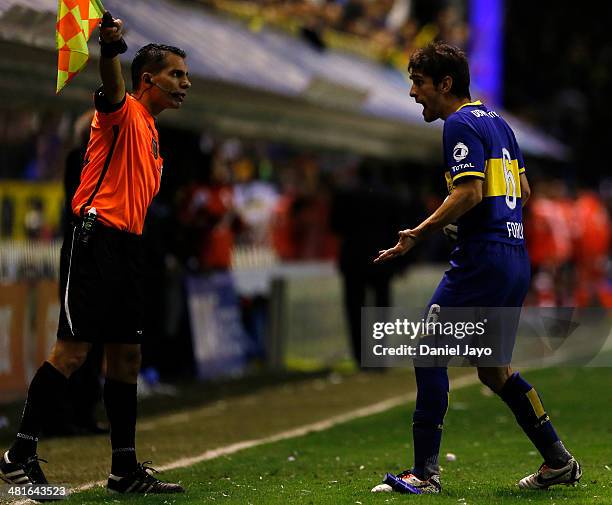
column 387, row 30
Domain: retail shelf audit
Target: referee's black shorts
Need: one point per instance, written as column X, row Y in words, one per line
column 101, row 287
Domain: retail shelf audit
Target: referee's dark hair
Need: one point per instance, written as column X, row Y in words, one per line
column 437, row 60
column 151, row 58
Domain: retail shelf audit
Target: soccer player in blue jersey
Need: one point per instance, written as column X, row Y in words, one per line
column 487, row 186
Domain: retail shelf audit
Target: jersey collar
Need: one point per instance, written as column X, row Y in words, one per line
column 477, row 102
column 150, row 117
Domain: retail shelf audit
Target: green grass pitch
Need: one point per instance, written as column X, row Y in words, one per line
column 340, row 465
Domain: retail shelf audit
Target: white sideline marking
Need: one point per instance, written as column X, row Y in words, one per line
column 375, row 408
column 300, row 431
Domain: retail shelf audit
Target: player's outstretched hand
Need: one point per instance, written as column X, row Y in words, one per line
column 111, row 29
column 406, row 241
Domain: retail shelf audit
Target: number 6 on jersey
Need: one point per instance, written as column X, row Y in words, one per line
column 509, row 177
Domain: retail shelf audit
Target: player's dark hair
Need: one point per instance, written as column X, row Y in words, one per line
column 151, row 58
column 437, row 60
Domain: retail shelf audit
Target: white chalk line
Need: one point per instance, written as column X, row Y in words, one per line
column 325, row 424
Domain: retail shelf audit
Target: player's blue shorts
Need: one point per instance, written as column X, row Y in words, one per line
column 485, row 274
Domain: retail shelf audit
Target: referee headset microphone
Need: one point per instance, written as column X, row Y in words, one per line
column 148, row 80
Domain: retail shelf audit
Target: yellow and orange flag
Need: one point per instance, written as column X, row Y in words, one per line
column 76, row 20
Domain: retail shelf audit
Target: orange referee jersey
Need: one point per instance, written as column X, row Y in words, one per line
column 122, row 168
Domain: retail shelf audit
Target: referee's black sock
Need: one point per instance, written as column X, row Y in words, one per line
column 120, row 402
column 45, row 393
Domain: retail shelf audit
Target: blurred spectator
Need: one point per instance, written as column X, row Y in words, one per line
column 17, row 138
column 591, row 250
column 366, row 216
column 210, row 216
column 398, row 14
column 301, row 227
column 451, row 27
column 34, row 222
column 48, row 148
column 549, row 238
column 255, row 201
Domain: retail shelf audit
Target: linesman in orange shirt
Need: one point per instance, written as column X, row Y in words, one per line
column 103, row 298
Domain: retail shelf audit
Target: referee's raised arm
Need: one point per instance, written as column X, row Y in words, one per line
column 111, row 46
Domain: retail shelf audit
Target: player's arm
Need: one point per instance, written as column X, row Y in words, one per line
column 464, row 197
column 110, row 65
column 525, row 189
column 465, row 162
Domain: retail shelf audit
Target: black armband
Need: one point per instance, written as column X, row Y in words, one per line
column 112, row 49
column 102, row 104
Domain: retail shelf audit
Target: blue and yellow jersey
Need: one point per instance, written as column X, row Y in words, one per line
column 479, row 143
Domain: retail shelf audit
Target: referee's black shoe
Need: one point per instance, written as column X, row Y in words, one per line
column 22, row 473
column 141, row 481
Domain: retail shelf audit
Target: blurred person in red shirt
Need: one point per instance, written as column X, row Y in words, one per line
column 301, row 228
column 591, row 250
column 549, row 229
column 210, row 217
